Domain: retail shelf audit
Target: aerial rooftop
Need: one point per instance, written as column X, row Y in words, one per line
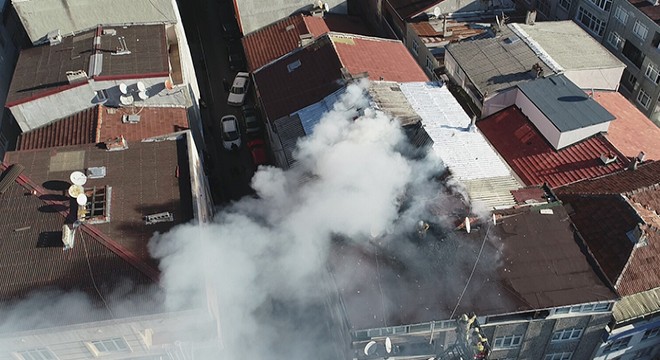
column 632, row 131
column 646, row 7
column 564, row 104
column 498, row 63
column 42, row 70
column 100, row 123
column 280, row 38
column 536, row 162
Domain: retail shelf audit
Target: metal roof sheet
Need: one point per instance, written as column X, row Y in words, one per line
column 564, row 103
column 498, row 63
column 637, row 305
column 536, row 162
column 39, row 17
column 569, row 45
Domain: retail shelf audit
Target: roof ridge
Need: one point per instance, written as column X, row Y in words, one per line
column 24, row 181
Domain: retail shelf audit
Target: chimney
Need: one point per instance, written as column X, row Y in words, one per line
column 54, row 37
column 641, row 156
column 116, row 144
column 445, row 32
column 638, row 235
column 75, row 77
column 530, row 19
column 305, row 39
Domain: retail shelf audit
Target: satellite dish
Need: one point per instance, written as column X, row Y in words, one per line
column 143, row 95
column 75, row 190
column 78, row 178
column 467, row 224
column 126, row 99
column 370, row 349
column 437, row 12
column 123, row 88
column 81, row 199
column 326, row 7
column 388, row 345
column 141, row 86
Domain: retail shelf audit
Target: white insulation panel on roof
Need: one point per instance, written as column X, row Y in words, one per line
column 466, row 153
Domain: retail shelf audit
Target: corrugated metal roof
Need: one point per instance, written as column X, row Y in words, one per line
column 498, row 63
column 637, row 305
column 42, row 16
column 569, row 45
column 536, row 162
column 564, row 103
column 387, row 97
column 466, row 153
column 312, row 114
column 289, row 130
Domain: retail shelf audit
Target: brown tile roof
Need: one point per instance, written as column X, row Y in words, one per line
column 607, row 209
column 79, row 128
column 41, row 70
column 147, row 178
column 101, row 123
column 319, row 72
column 271, row 42
column 632, row 131
column 536, row 162
column 529, row 261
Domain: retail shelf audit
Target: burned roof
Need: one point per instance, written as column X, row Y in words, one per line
column 42, row 70
column 564, row 103
column 536, row 162
column 497, row 64
column 529, row 261
column 145, row 179
column 100, row 123
column 310, row 73
column 618, row 218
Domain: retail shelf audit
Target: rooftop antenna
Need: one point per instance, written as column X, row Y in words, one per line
column 122, row 49
column 78, row 178
column 494, row 220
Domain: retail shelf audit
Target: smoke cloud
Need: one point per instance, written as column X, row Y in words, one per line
column 267, row 257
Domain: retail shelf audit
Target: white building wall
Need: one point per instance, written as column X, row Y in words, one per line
column 635, row 345
column 41, row 111
column 571, row 137
column 597, row 79
column 542, row 123
column 499, row 101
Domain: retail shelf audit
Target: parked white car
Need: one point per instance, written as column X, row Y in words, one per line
column 239, row 89
column 231, row 134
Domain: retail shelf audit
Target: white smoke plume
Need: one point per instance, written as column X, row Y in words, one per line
column 267, row 257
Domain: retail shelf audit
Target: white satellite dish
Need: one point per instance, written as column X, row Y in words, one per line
column 78, row 178
column 123, row 88
column 126, row 99
column 437, row 12
column 388, row 345
column 326, row 7
column 81, row 199
column 467, row 224
column 75, row 190
column 370, row 349
column 143, row 95
column 141, row 86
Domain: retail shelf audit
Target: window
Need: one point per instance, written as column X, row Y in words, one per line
column 630, row 84
column 567, row 334
column 603, row 4
column 559, row 356
column 97, row 209
column 633, row 54
column 429, row 64
column 109, row 346
column 648, row 334
column 643, row 98
column 617, row 345
column 640, row 30
column 643, row 353
column 37, row 354
column 594, row 24
column 615, row 40
column 415, row 47
column 565, row 4
column 653, row 72
column 509, row 341
column 292, row 66
column 586, row 308
column 621, row 15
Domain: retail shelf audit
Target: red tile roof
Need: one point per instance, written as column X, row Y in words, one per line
column 319, row 70
column 383, row 59
column 79, row 128
column 632, row 131
column 271, row 42
column 536, row 162
column 101, row 123
column 607, row 209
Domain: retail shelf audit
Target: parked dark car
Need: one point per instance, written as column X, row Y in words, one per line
column 236, row 57
column 258, row 151
column 251, row 120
